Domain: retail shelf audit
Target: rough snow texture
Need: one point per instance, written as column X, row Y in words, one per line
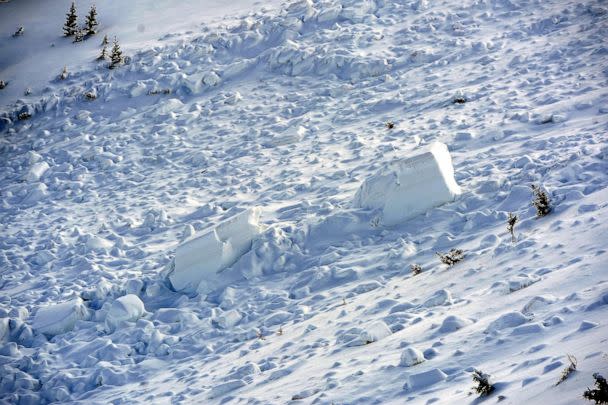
column 410, row 186
column 199, row 260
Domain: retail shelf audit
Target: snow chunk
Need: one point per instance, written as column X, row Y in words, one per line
column 440, row 297
column 35, row 193
column 228, row 319
column 36, row 172
column 410, row 357
column 424, row 379
column 126, row 308
column 223, row 389
column 198, row 260
column 452, row 323
column 59, row 318
column 411, row 186
column 375, row 332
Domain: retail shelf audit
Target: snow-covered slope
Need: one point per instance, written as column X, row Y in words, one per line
column 284, row 108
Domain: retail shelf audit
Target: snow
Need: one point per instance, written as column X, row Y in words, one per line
column 199, row 260
column 107, row 204
column 411, row 186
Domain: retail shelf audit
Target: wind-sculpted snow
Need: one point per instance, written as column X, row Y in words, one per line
column 291, row 109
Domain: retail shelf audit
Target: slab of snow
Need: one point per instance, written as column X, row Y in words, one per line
column 59, row 318
column 410, row 186
column 199, row 260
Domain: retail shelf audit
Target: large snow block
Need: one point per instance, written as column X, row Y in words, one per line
column 411, row 186
column 200, row 259
column 60, row 318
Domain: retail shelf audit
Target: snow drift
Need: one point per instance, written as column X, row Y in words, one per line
column 198, row 260
column 411, row 186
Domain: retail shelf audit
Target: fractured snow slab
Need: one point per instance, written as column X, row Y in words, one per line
column 410, row 186
column 199, row 260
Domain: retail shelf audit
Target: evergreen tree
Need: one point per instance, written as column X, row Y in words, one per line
column 105, row 41
column 71, row 27
column 116, row 56
column 104, row 53
column 91, row 21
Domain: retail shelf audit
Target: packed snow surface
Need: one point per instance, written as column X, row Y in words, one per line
column 134, row 267
column 410, row 186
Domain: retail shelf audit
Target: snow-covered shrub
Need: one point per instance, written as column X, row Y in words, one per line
column 571, row 368
column 511, row 221
column 64, row 73
column 600, row 393
column 19, row 32
column 104, row 53
column 483, row 387
column 452, row 257
column 416, row 269
column 2, row 84
column 541, row 201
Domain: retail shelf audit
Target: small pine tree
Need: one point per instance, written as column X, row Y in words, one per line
column 390, row 125
column 600, row 393
column 541, row 201
column 511, row 221
column 91, row 21
column 104, row 53
column 484, row 387
column 2, row 84
column 64, row 73
column 70, row 27
column 416, row 269
column 105, row 41
column 19, row 32
column 452, row 257
column 79, row 35
column 116, row 56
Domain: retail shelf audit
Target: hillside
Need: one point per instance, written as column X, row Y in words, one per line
column 283, row 107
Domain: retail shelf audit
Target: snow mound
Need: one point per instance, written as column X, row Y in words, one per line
column 508, row 320
column 59, row 318
column 411, row 186
column 127, row 308
column 198, row 260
